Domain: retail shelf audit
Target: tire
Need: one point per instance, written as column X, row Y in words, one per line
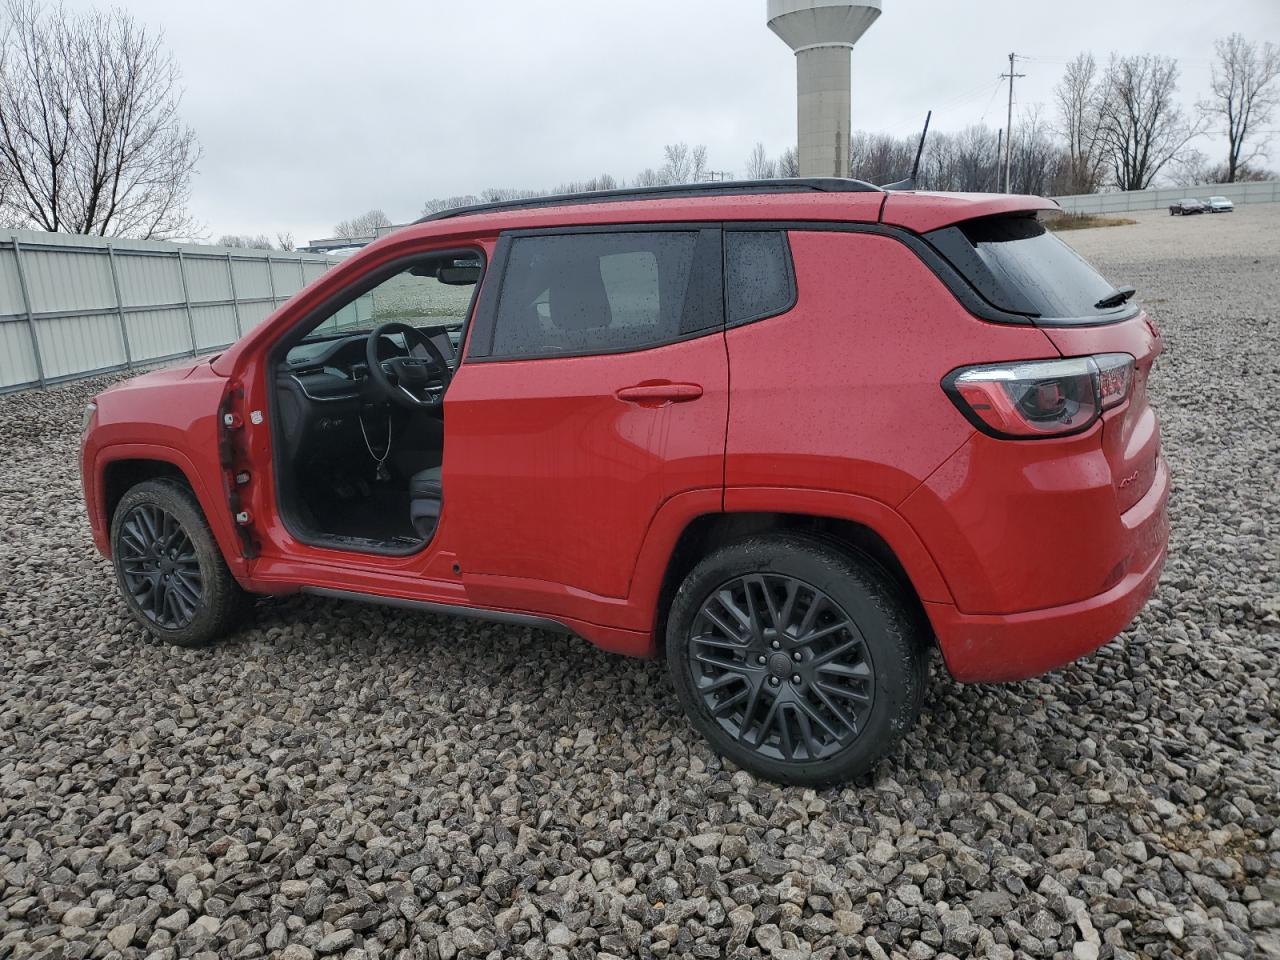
column 869, row 673
column 184, row 594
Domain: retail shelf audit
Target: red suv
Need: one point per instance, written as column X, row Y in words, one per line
column 789, row 434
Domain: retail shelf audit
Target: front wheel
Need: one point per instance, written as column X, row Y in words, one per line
column 169, row 568
column 796, row 660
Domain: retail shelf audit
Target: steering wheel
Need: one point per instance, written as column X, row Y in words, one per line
column 409, row 381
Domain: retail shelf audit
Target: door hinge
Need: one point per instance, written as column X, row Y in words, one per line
column 235, row 473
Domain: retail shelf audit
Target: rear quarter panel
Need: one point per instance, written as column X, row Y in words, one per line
column 843, row 392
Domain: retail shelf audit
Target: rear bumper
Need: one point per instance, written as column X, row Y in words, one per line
column 1000, row 647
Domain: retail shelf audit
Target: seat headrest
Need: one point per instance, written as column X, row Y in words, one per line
column 577, row 300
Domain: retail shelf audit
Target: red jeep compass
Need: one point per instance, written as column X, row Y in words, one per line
column 789, row 434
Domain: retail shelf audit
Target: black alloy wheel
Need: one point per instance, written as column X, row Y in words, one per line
column 781, row 667
column 159, row 566
column 799, row 659
column 170, row 570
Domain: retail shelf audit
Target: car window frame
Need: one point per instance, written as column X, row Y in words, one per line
column 709, row 276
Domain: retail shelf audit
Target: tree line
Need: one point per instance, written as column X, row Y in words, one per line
column 1113, row 127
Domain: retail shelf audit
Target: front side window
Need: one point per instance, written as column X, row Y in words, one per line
column 602, row 292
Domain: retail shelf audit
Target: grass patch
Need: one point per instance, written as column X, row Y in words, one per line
column 1084, row 221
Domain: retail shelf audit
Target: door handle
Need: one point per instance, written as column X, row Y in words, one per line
column 656, row 394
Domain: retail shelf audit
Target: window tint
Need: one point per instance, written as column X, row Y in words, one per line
column 599, row 292
column 757, row 273
column 1033, row 271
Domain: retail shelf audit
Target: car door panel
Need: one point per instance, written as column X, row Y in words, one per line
column 552, row 476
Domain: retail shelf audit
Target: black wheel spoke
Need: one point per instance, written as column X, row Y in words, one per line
column 733, row 666
column 708, row 640
column 781, row 668
column 770, row 604
column 749, row 712
column 719, row 623
column 845, row 692
column 766, row 725
column 753, row 612
column 732, row 701
column 823, row 632
column 804, row 713
column 835, row 709
column 786, row 744
column 854, row 671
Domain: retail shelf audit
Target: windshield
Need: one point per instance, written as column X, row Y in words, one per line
column 407, row 297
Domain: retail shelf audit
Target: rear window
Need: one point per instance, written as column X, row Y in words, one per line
column 1018, row 265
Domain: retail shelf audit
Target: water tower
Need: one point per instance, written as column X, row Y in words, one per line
column 822, row 34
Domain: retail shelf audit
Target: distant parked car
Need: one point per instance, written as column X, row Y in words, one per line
column 1186, row 206
column 1219, row 205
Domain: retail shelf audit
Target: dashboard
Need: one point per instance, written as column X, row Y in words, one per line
column 336, row 369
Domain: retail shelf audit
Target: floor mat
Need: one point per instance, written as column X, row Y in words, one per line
column 381, row 515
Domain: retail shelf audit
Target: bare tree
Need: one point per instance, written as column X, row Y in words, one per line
column 244, row 241
column 1079, row 96
column 284, row 240
column 684, row 164
column 1244, row 92
column 361, row 227
column 879, row 157
column 90, row 137
column 500, row 194
column 603, row 182
column 440, row 204
column 759, row 165
column 1142, row 126
column 788, row 163
column 1039, row 163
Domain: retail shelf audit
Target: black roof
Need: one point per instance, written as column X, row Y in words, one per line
column 723, row 188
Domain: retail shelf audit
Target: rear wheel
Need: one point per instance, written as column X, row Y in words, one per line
column 796, row 660
column 169, row 568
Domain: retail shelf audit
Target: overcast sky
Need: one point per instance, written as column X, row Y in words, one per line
column 311, row 112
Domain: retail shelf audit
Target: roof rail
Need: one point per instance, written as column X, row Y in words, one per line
column 722, row 188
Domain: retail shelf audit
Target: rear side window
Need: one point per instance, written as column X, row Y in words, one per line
column 605, row 292
column 757, row 274
column 1018, row 265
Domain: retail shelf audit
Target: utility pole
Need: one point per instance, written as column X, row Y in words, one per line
column 999, row 158
column 1008, row 130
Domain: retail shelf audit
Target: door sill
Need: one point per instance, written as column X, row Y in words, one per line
column 447, row 609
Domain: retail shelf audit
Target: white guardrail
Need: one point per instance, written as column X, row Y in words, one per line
column 1265, row 191
column 74, row 306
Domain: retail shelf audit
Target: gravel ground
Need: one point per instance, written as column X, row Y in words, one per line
column 352, row 781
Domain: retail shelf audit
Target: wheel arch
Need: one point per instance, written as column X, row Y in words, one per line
column 856, row 524
column 120, row 467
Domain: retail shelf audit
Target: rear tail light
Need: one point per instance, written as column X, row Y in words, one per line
column 1040, row 398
